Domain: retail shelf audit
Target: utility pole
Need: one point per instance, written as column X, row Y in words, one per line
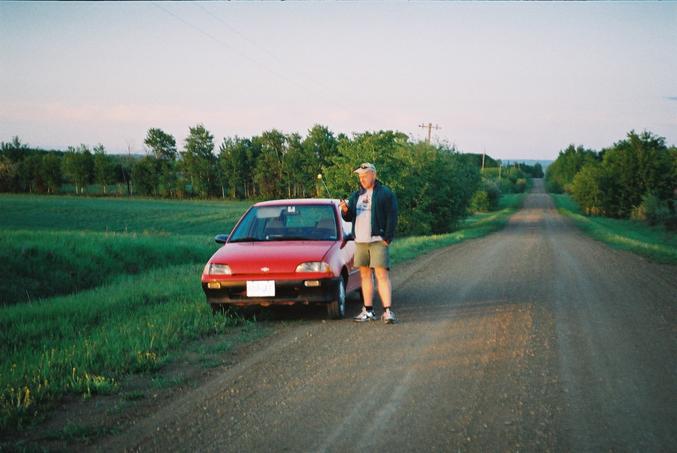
column 484, row 151
column 130, row 189
column 430, row 127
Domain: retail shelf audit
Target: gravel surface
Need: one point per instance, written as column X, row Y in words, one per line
column 533, row 338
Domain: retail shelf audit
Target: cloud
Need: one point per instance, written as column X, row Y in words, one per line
column 671, row 98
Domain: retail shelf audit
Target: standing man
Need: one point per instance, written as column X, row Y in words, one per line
column 373, row 211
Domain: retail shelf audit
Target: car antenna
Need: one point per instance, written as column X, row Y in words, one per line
column 319, row 176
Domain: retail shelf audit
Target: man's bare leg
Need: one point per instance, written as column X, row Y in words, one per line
column 384, row 286
column 367, row 286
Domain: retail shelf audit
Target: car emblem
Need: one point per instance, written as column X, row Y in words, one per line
column 265, row 269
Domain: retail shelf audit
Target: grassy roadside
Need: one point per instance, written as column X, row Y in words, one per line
column 655, row 243
column 87, row 343
column 474, row 226
column 51, row 263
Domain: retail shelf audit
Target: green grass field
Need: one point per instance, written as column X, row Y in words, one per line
column 655, row 242
column 147, row 305
column 57, row 245
column 153, row 217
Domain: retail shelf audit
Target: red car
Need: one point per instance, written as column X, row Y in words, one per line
column 284, row 252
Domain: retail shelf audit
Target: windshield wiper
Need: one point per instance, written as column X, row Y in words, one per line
column 291, row 238
column 247, row 239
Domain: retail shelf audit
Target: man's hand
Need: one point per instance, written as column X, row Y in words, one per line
column 343, row 206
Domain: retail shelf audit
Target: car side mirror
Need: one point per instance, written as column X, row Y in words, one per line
column 347, row 237
column 221, row 238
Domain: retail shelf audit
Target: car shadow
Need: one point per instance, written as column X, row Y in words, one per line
column 301, row 312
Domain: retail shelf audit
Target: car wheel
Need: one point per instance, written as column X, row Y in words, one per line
column 336, row 309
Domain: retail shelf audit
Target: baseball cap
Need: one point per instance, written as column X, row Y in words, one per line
column 365, row 167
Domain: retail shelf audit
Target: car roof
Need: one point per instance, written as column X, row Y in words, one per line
column 298, row 201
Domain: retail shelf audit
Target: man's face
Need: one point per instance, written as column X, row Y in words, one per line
column 367, row 179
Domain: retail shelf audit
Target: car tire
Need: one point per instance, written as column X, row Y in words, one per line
column 336, row 309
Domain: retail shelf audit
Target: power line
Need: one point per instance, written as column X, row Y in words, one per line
column 219, row 41
column 322, row 91
column 236, row 31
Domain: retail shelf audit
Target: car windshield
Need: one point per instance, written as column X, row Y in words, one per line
column 287, row 223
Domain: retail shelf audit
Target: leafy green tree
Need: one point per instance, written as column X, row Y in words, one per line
column 639, row 165
column 14, row 150
column 459, row 181
column 269, row 171
column 433, row 184
column 237, row 159
column 321, row 144
column 145, row 176
column 588, row 189
column 562, row 171
column 162, row 144
column 538, row 170
column 29, row 175
column 8, row 172
column 199, row 161
column 300, row 168
column 163, row 147
column 51, row 172
column 78, row 165
column 104, row 168
column 384, row 149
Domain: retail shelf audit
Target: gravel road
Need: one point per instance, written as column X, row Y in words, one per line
column 533, row 338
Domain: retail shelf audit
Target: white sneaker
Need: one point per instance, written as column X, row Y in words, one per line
column 388, row 317
column 365, row 316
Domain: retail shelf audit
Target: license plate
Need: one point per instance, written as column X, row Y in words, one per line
column 261, row 288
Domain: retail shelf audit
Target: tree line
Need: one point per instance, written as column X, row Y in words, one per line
column 434, row 183
column 634, row 178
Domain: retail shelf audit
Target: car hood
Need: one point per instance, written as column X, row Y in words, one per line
column 277, row 256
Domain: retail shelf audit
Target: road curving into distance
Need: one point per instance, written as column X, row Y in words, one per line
column 533, row 338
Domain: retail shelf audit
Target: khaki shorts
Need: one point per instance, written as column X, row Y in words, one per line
column 372, row 254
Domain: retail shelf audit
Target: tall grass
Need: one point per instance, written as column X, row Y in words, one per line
column 48, row 263
column 83, row 343
column 654, row 242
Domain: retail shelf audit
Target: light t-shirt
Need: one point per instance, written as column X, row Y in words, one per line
column 363, row 218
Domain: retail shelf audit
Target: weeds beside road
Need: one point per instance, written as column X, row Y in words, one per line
column 634, row 236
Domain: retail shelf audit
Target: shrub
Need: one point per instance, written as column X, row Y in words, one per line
column 651, row 210
column 569, row 162
column 480, row 201
column 520, row 185
column 587, row 189
column 553, row 186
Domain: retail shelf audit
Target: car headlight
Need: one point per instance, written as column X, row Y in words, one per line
column 313, row 266
column 217, row 269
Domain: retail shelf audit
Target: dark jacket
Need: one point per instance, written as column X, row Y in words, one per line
column 383, row 211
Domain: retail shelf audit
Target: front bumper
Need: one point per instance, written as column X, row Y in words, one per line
column 287, row 292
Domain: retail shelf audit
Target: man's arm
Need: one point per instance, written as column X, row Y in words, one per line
column 348, row 209
column 391, row 222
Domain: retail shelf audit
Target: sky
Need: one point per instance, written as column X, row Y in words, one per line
column 517, row 80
